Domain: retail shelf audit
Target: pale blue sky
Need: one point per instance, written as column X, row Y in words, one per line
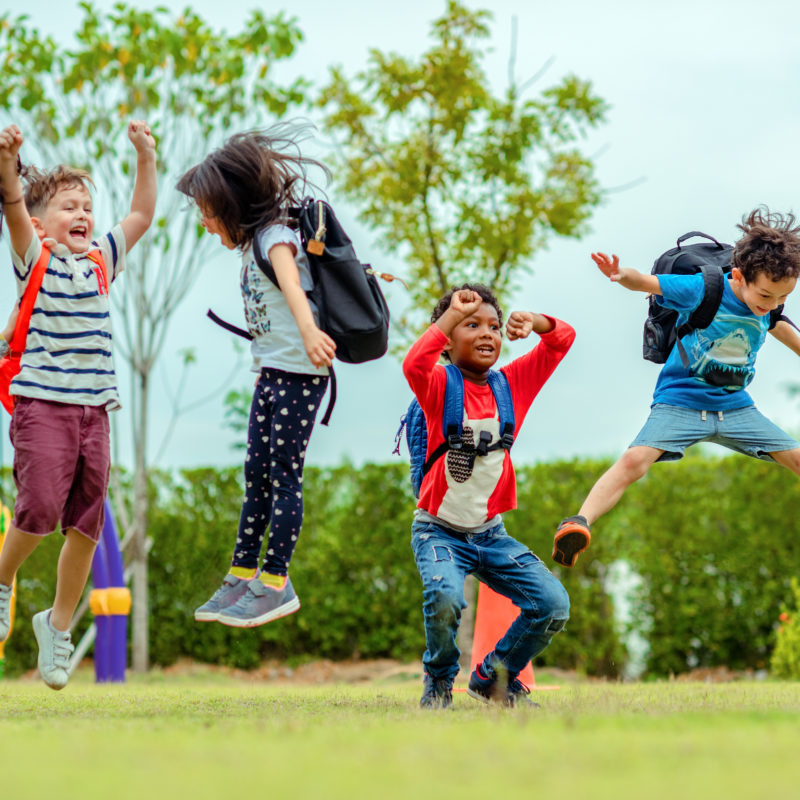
column 704, row 107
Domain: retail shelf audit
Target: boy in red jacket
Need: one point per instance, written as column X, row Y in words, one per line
column 457, row 527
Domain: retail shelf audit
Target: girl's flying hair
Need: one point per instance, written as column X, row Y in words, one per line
column 251, row 180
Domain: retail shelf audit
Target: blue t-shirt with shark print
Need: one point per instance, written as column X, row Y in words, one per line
column 721, row 357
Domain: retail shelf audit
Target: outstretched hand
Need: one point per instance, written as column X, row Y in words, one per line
column 608, row 266
column 140, row 136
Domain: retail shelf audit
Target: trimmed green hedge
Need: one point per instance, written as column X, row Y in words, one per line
column 711, row 538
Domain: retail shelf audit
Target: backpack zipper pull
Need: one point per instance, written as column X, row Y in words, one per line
column 316, row 246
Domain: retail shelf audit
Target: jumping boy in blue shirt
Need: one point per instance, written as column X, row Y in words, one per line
column 705, row 401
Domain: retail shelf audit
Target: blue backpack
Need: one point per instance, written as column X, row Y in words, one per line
column 452, row 428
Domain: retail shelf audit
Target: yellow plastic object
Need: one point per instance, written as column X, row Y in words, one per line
column 5, row 522
column 115, row 601
column 119, row 600
column 98, row 602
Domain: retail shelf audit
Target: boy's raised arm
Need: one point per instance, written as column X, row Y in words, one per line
column 143, row 202
column 20, row 228
column 629, row 278
column 463, row 303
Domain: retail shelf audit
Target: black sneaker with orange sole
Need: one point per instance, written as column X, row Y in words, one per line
column 572, row 538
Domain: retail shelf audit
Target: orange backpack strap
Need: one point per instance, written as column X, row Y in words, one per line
column 10, row 363
column 102, row 272
column 20, row 335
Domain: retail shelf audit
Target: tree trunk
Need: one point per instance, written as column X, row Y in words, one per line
column 140, row 617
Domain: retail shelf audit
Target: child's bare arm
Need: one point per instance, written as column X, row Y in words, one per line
column 629, row 278
column 8, row 331
column 143, row 202
column 787, row 335
column 20, row 227
column 521, row 324
column 319, row 347
column 462, row 303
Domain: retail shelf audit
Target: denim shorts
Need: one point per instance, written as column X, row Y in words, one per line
column 745, row 430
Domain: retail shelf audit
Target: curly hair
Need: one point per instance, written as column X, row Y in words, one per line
column 483, row 291
column 770, row 244
column 251, row 180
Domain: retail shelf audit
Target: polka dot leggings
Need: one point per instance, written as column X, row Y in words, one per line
column 282, row 415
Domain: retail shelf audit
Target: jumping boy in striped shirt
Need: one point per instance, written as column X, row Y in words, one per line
column 66, row 384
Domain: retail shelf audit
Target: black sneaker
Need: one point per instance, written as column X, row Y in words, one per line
column 519, row 695
column 498, row 689
column 437, row 693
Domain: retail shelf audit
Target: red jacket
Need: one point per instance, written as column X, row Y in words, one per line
column 462, row 490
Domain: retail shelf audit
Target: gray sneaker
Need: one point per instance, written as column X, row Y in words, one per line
column 5, row 611
column 260, row 604
column 231, row 590
column 55, row 648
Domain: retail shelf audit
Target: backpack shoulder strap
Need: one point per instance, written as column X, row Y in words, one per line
column 263, row 262
column 453, row 414
column 452, row 417
column 701, row 317
column 20, row 335
column 102, row 276
column 498, row 383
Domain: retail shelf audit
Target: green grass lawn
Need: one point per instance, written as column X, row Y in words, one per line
column 182, row 738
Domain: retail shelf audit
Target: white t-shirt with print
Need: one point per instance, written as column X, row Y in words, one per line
column 277, row 342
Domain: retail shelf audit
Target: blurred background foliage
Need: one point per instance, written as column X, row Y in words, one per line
column 708, row 539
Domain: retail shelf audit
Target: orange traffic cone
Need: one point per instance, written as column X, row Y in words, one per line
column 494, row 613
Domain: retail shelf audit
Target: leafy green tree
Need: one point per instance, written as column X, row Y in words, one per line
column 463, row 184
column 194, row 85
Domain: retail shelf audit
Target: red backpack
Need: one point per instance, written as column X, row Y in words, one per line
column 10, row 363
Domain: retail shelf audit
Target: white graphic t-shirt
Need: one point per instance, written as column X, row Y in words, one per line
column 276, row 339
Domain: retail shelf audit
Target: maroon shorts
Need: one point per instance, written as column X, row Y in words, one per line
column 61, row 465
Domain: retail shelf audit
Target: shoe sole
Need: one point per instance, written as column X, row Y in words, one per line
column 254, row 622
column 37, row 623
column 206, row 616
column 570, row 541
column 478, row 696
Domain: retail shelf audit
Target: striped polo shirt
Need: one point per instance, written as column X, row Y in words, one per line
column 68, row 357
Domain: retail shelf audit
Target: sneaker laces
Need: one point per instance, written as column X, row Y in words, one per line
column 442, row 687
column 437, row 687
column 516, row 686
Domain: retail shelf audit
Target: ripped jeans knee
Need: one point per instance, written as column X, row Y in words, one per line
column 556, row 625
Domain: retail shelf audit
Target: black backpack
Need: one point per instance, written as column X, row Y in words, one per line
column 713, row 260
column 351, row 307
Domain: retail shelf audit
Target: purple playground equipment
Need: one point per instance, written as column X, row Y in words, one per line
column 110, row 602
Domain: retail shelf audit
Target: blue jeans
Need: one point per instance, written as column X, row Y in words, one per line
column 445, row 557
